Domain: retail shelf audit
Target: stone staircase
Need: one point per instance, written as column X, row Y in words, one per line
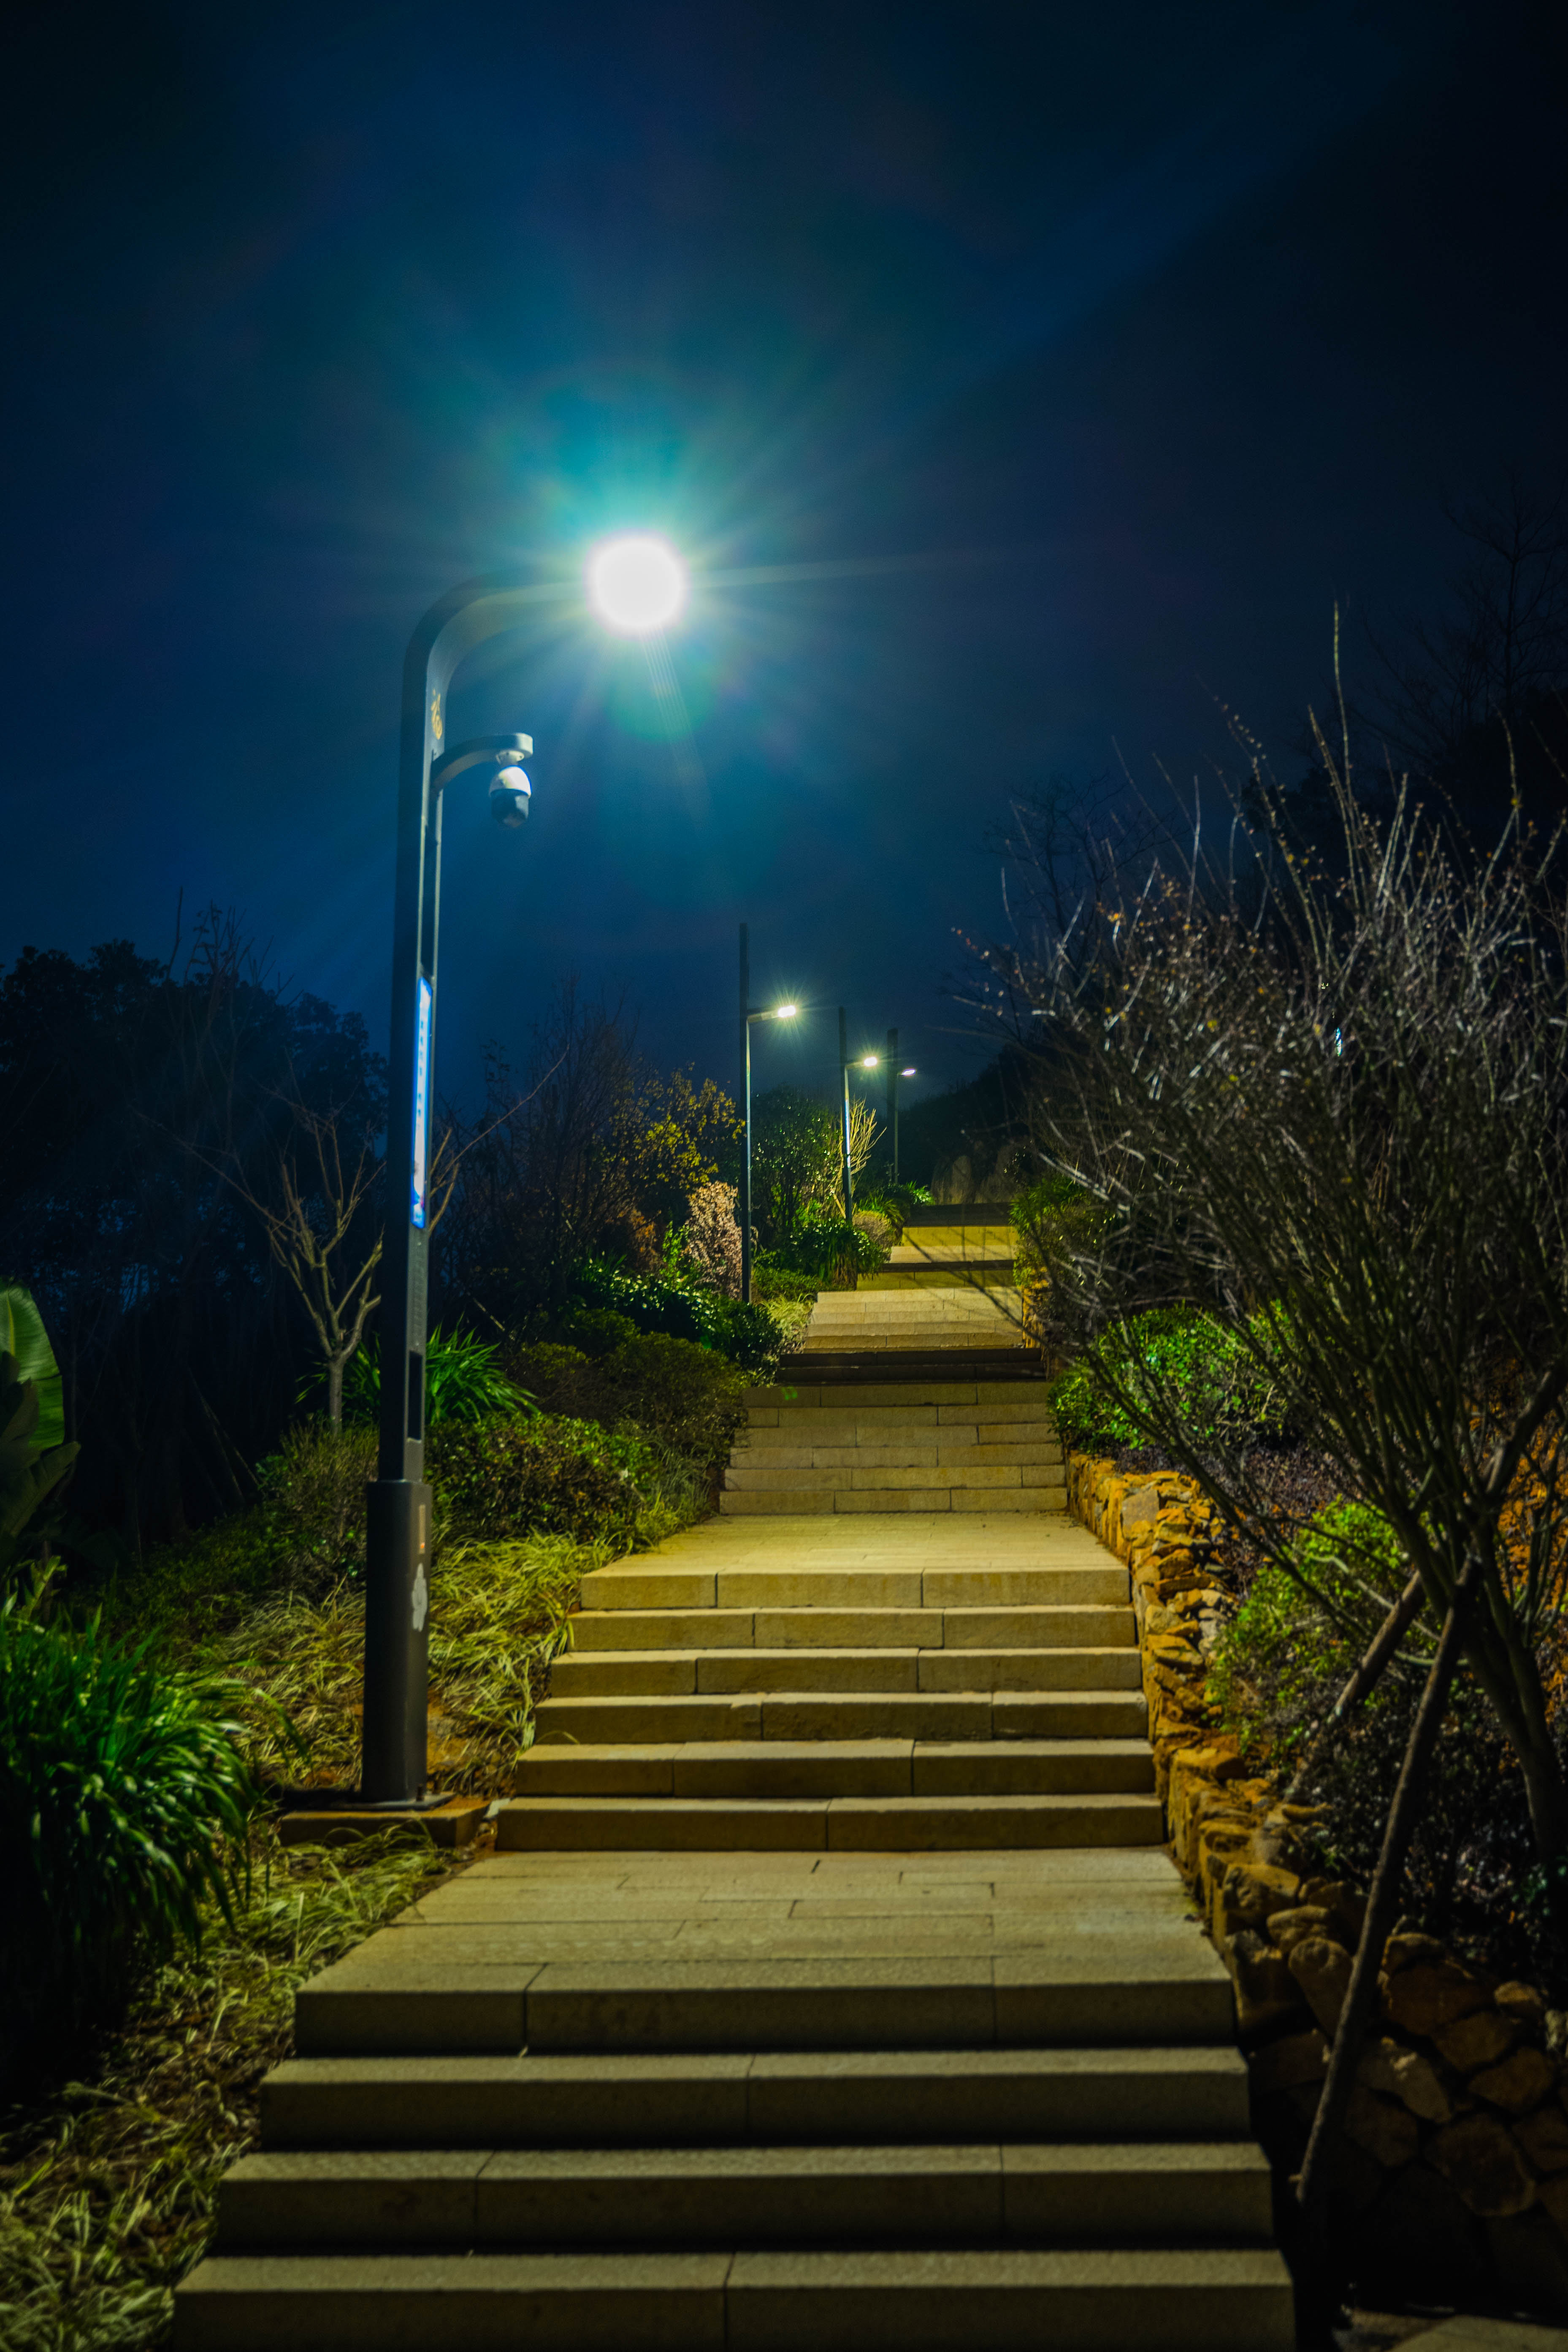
column 917, row 1446
column 947, row 1301
column 829, row 1988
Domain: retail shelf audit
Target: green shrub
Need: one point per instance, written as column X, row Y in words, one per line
column 463, row 1381
column 690, row 1399
column 1215, row 1380
column 1278, row 1670
column 1293, row 1644
column 593, row 1330
column 312, row 1501
column 124, row 1803
column 532, row 1475
column 893, row 1201
column 679, row 1307
column 772, row 1281
column 829, row 1251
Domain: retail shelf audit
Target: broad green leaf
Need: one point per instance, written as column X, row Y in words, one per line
column 22, row 1335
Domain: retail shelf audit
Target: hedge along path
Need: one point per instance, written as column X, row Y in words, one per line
column 1451, row 2176
column 829, row 1984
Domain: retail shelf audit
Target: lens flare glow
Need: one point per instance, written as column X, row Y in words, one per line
column 637, row 585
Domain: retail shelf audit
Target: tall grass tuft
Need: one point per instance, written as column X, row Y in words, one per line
column 124, row 1804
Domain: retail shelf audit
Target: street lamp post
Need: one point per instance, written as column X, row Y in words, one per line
column 894, row 1075
column 637, row 586
column 864, row 1062
column 748, row 1014
column 844, row 1075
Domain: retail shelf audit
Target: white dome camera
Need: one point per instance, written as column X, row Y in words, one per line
column 510, row 796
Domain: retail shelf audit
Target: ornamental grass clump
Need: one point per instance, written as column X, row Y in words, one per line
column 125, row 1799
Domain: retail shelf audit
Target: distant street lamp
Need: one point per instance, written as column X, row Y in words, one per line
column 748, row 1014
column 637, row 585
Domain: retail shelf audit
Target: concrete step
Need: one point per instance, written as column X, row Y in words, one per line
column 1008, row 1361
column 866, row 1825
column 1083, row 1992
column 845, row 1586
column 981, row 2193
column 848, row 1714
column 861, row 1472
column 817, row 1767
column 1181, row 2300
column 1101, row 1626
column 787, row 1446
column 802, row 1667
column 994, row 1501
column 915, row 1273
column 954, row 1397
column 658, row 2101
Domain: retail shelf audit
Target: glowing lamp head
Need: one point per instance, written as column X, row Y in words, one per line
column 637, row 585
column 867, row 1061
column 786, row 1011
column 907, row 1074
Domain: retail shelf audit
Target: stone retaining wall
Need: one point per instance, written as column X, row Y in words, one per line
column 1452, row 2179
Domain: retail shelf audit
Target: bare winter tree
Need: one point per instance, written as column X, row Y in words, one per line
column 315, row 1203
column 1332, row 1109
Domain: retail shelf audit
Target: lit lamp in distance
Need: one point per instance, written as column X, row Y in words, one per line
column 750, row 1013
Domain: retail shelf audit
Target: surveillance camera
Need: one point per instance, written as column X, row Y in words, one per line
column 510, row 797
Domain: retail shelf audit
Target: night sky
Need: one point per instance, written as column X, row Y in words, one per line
column 1070, row 362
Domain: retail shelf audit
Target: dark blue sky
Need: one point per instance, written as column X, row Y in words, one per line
column 1148, row 330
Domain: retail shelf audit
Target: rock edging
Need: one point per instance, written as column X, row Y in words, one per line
column 1452, row 2177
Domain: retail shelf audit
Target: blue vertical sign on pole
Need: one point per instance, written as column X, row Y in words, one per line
column 421, row 1102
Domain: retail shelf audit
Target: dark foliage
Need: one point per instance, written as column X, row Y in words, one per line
column 691, row 1397
column 124, row 1803
column 126, row 1086
column 591, row 1157
column 533, row 1476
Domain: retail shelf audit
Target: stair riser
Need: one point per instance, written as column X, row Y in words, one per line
column 840, row 1589
column 486, row 2201
column 890, row 1824
column 565, row 1772
column 568, row 2105
column 611, row 1673
column 999, row 1502
column 1113, row 1715
column 1097, row 1626
column 749, row 2303
column 361, row 2018
column 774, row 1449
